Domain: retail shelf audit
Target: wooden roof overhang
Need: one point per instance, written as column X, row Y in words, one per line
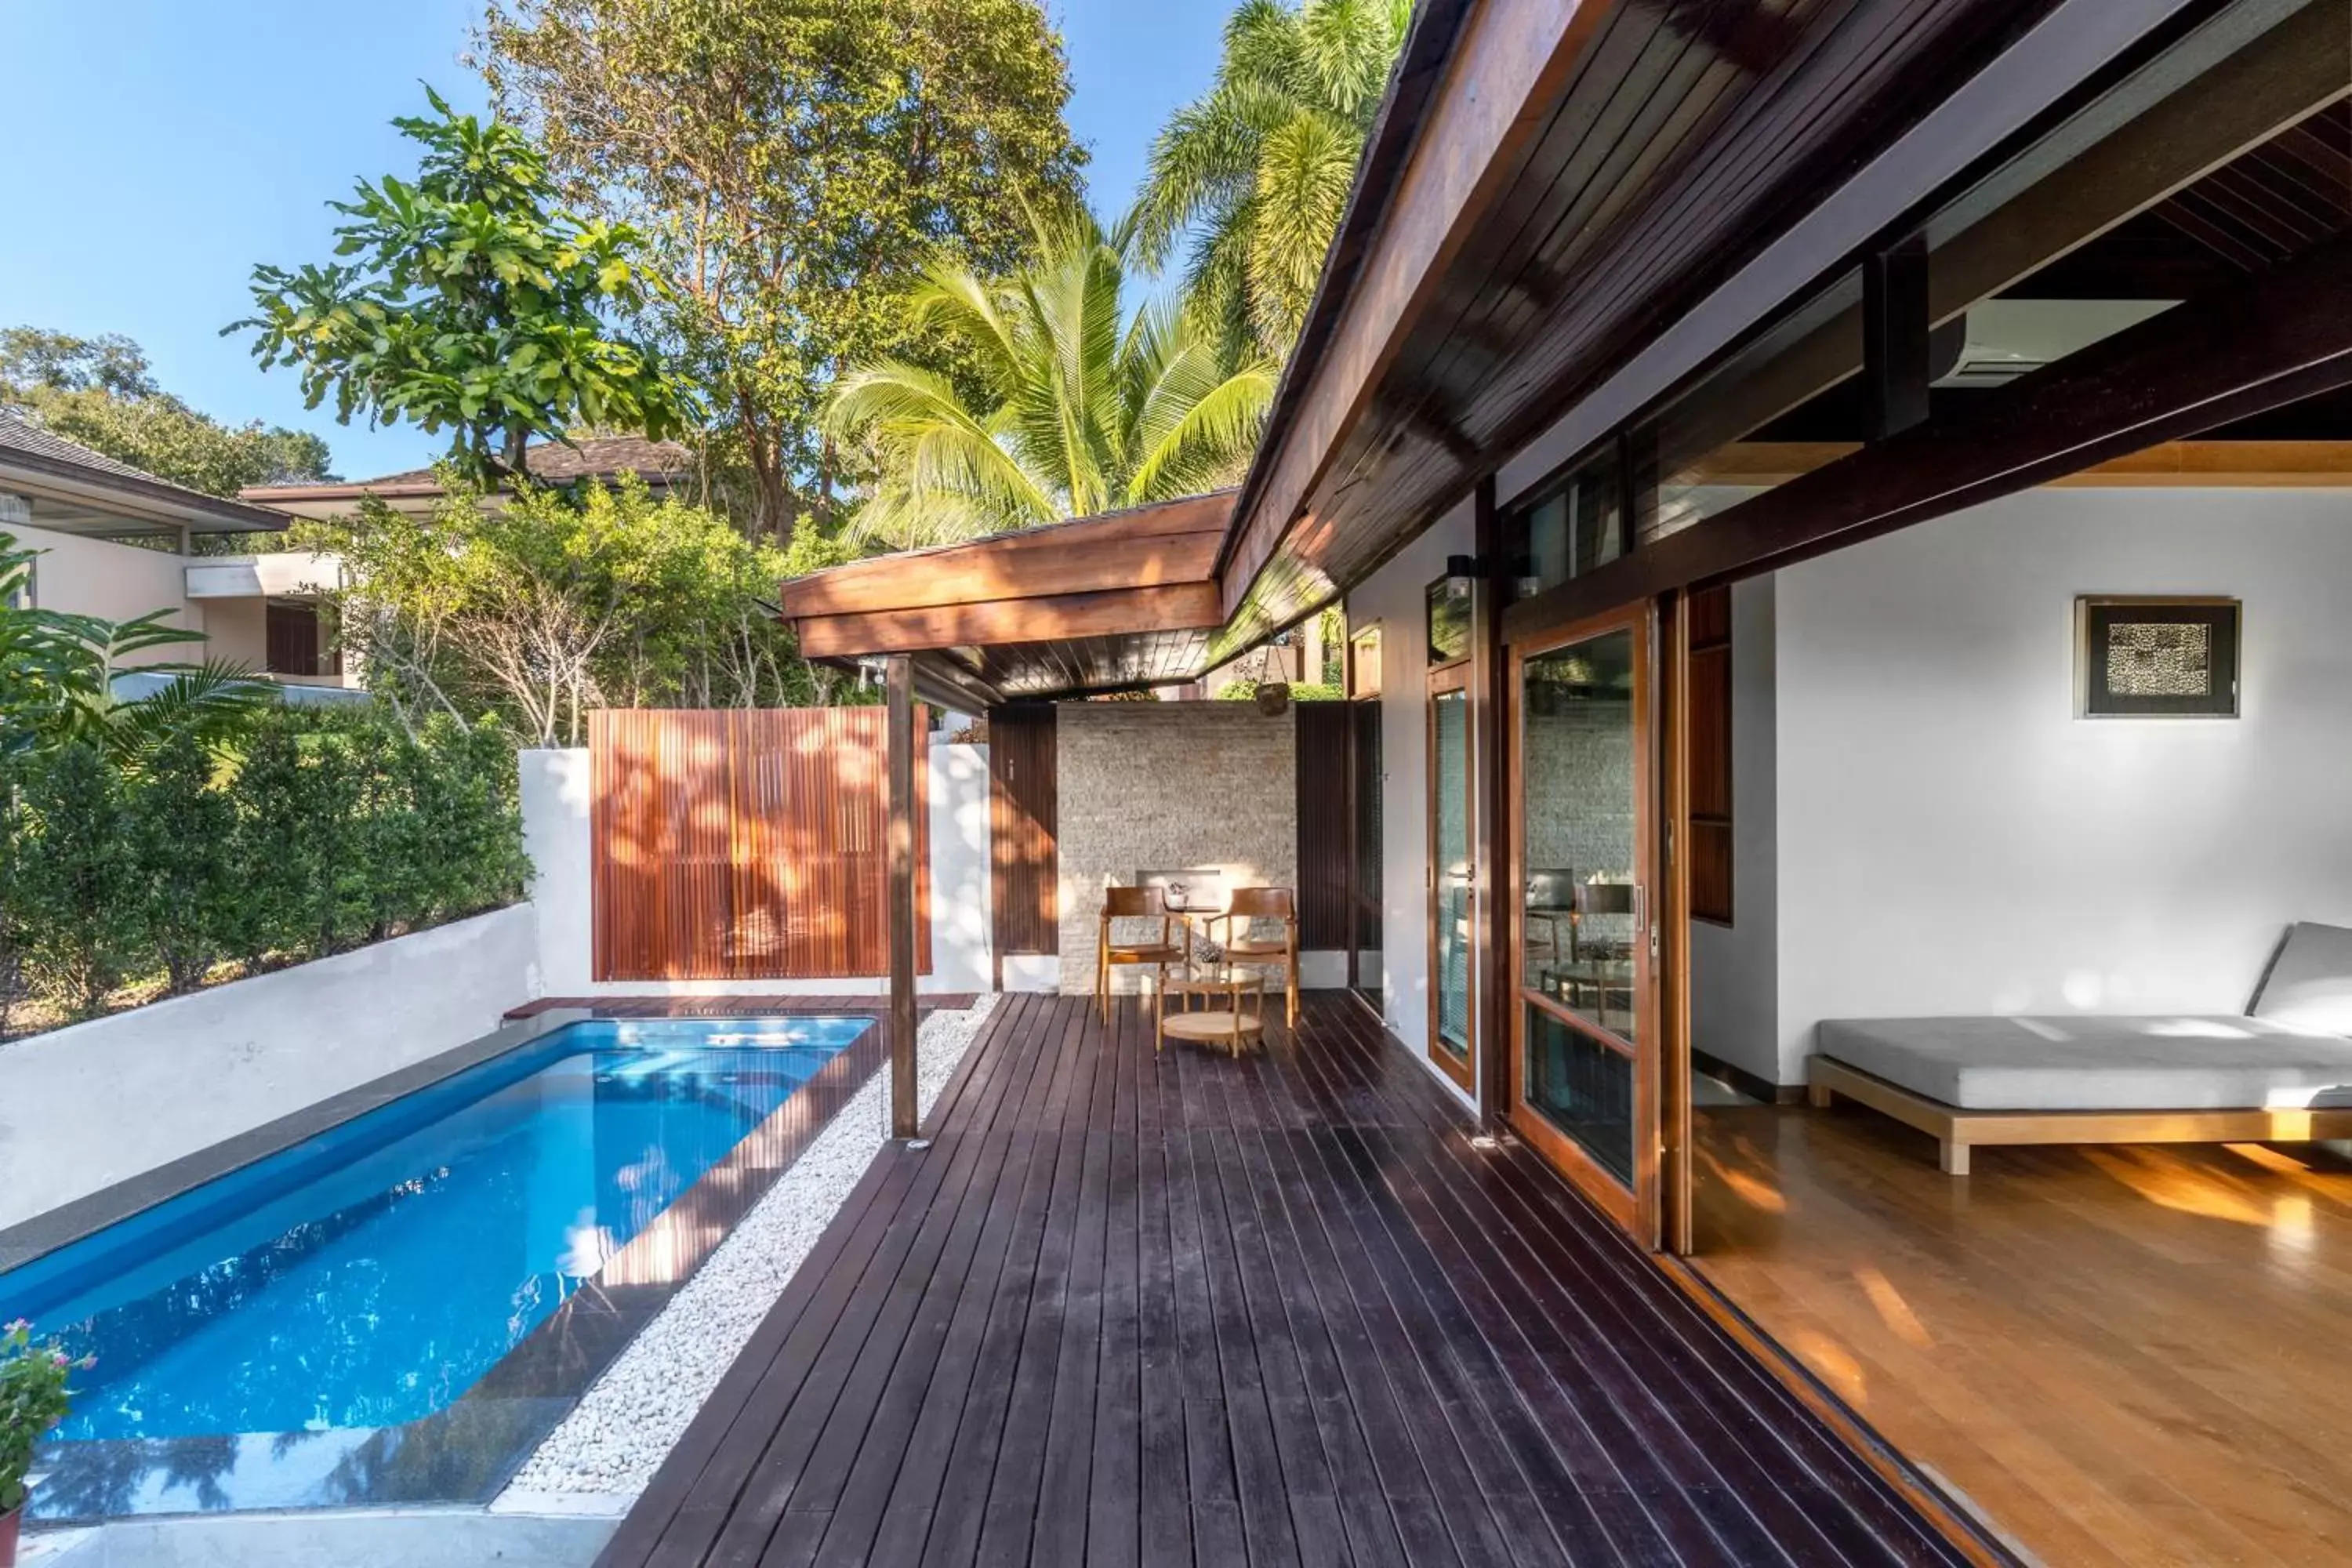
column 1121, row 600
column 1566, row 210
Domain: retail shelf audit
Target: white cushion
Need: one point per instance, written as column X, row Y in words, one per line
column 2309, row 985
column 2173, row 1062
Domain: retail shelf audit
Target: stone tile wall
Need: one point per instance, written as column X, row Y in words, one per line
column 1157, row 785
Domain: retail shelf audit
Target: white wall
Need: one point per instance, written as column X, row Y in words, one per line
column 1392, row 599
column 1735, row 969
column 1952, row 839
column 120, row 582
column 85, row 1107
column 555, row 799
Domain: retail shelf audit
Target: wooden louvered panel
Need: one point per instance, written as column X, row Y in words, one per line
column 746, row 845
column 1023, row 795
column 1321, row 732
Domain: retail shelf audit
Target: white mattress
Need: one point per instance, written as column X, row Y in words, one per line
column 2162, row 1063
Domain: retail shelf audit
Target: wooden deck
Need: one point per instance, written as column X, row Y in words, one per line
column 1272, row 1311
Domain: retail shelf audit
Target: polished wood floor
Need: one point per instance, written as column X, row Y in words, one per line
column 2127, row 1356
column 1277, row 1310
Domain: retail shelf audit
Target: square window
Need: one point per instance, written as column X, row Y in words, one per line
column 1449, row 619
column 2156, row 658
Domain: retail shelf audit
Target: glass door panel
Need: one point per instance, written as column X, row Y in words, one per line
column 1452, row 1043
column 1583, row 932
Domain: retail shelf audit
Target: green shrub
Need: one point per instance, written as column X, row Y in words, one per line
column 77, row 880
column 316, row 830
column 182, row 849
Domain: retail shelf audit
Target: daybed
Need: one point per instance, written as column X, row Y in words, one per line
column 2281, row 1073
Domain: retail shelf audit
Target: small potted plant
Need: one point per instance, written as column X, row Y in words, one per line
column 33, row 1398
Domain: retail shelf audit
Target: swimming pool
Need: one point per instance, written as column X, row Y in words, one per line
column 368, row 1278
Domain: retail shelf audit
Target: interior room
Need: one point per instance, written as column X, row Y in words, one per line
column 1932, row 823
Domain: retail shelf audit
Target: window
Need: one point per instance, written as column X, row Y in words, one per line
column 1575, row 527
column 291, row 642
column 1449, row 619
column 2156, row 658
column 1364, row 663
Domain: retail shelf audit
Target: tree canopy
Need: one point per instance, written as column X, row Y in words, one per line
column 1080, row 407
column 477, row 304
column 1256, row 172
column 794, row 162
column 542, row 605
column 102, row 393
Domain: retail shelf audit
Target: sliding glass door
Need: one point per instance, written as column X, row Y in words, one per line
column 1584, row 1048
column 1453, row 1013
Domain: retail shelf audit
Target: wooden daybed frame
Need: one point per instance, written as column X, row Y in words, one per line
column 1957, row 1130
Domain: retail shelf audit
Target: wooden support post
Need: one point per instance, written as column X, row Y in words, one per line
column 900, row 895
column 1492, row 902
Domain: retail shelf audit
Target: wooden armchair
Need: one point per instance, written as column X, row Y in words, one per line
column 1250, row 905
column 1134, row 904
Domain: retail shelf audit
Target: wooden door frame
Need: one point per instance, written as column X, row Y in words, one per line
column 1451, row 680
column 1638, row 1208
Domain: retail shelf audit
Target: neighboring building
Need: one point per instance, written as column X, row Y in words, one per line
column 116, row 542
column 664, row 466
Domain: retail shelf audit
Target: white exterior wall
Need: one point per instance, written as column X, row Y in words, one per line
column 555, row 800
column 1392, row 599
column 167, row 1079
column 120, row 582
column 1953, row 840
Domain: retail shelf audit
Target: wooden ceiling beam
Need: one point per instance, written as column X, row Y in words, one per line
column 1179, row 606
column 2279, row 337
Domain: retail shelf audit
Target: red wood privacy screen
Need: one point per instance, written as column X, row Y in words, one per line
column 747, row 843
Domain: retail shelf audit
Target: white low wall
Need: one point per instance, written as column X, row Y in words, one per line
column 85, row 1107
column 555, row 800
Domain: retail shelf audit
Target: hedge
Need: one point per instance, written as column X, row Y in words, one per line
column 317, row 831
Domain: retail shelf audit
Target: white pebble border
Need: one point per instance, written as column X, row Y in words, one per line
column 605, row 1451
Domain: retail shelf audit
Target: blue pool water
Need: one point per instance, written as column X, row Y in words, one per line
column 370, row 1276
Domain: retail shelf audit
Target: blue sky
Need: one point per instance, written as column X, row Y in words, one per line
column 164, row 146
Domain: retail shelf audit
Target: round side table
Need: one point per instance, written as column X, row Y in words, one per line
column 1234, row 1014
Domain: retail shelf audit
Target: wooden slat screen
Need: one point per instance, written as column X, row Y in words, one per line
column 748, row 844
column 1024, row 800
column 1323, row 839
column 1710, row 755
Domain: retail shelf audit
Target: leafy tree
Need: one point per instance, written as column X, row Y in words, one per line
column 1079, row 410
column 553, row 604
column 99, row 392
column 795, row 161
column 1257, row 171
column 182, row 830
column 478, row 304
column 109, row 362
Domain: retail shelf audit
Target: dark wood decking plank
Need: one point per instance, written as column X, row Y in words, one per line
column 856, row 1355
column 962, row 1500
column 1166, row 1520
column 1192, row 1309
column 915, row 1421
column 1115, row 1468
column 698, row 1485
column 1009, row 1517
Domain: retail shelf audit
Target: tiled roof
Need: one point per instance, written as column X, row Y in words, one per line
column 597, row 457
column 21, row 432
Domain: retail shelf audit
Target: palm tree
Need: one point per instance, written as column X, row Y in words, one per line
column 1070, row 408
column 1258, row 171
